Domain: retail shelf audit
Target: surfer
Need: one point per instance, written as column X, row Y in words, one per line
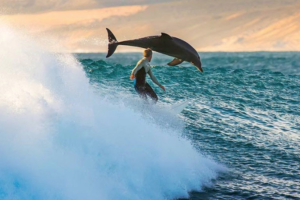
column 139, row 74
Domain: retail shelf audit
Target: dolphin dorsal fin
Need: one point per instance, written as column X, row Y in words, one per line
column 174, row 62
column 166, row 36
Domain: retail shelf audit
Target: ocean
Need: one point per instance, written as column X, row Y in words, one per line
column 73, row 127
column 245, row 113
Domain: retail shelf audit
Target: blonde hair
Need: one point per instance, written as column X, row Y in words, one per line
column 147, row 52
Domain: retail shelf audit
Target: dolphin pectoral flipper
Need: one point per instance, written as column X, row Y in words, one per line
column 174, row 62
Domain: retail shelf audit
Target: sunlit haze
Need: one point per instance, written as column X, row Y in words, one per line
column 217, row 25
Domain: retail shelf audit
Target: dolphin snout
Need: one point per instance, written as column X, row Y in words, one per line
column 199, row 66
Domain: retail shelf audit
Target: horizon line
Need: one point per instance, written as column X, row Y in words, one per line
column 103, row 52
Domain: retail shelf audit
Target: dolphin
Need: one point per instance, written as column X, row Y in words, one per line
column 164, row 43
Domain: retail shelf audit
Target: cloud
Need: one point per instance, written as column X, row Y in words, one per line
column 77, row 30
column 69, row 19
column 110, row 3
column 40, row 6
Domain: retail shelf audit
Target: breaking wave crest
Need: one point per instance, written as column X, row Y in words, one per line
column 62, row 140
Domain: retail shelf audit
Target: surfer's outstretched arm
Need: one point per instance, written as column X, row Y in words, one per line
column 153, row 78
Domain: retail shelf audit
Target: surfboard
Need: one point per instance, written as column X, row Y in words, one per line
column 179, row 107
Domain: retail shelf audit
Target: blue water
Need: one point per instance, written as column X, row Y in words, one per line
column 72, row 126
column 245, row 113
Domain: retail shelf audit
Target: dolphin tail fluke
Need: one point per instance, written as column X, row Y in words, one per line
column 112, row 43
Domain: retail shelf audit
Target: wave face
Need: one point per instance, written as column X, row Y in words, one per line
column 63, row 139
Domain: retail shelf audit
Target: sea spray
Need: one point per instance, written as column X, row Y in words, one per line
column 62, row 140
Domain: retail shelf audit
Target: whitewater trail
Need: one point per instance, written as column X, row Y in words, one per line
column 62, row 140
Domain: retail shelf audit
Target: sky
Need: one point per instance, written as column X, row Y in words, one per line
column 215, row 25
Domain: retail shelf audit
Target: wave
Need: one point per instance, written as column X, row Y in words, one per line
column 62, row 140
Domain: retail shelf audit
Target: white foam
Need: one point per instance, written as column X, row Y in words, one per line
column 61, row 140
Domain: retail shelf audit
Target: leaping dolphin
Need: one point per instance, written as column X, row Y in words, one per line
column 165, row 44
